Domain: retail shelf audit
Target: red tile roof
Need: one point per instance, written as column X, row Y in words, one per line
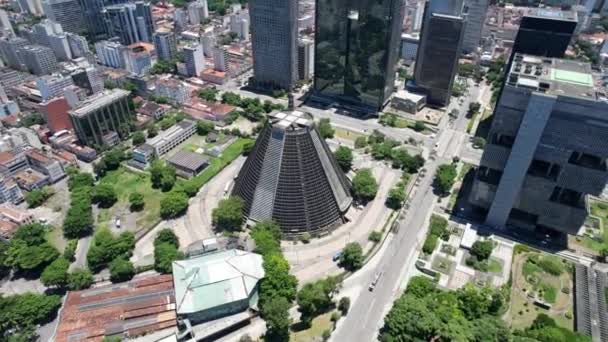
column 130, row 309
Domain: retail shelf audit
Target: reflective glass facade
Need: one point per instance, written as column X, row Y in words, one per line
column 356, row 48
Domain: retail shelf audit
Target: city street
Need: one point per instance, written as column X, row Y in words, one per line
column 369, row 307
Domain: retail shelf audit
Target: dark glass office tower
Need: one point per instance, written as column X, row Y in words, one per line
column 545, row 32
column 356, row 49
column 439, row 50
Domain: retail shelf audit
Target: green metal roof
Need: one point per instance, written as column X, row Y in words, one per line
column 215, row 279
column 573, row 77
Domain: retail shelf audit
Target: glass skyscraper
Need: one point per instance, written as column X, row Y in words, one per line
column 356, row 49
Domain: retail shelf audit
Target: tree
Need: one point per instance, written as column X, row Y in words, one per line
column 265, row 236
column 479, row 142
column 208, row 94
column 231, row 99
column 80, row 279
column 325, row 129
column 173, row 204
column 419, row 126
column 136, row 201
column 445, row 178
column 365, row 186
column 344, row 157
column 165, row 254
column 69, row 252
column 167, row 178
column 152, row 131
column 32, row 234
column 138, row 138
column 276, row 314
column 18, row 312
column 352, row 256
column 31, row 119
column 474, row 107
column 30, row 258
column 56, row 273
column 315, row 298
column 79, row 180
column 167, row 236
column 396, row 197
column 360, row 142
column 420, row 286
column 248, row 147
column 104, row 195
column 204, row 127
column 344, row 305
column 277, row 281
column 37, row 197
column 482, row 249
column 113, row 158
column 105, row 247
column 121, row 269
column 229, row 214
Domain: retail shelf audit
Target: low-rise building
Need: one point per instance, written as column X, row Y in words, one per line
column 11, row 213
column 141, row 306
column 172, row 137
column 217, row 284
column 408, row 102
column 188, row 164
column 9, row 191
column 142, row 156
column 11, row 163
column 46, row 165
column 153, row 109
column 30, row 179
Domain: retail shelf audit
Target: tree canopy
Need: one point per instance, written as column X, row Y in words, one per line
column 106, row 247
column 229, row 214
column 344, row 157
column 352, row 256
column 365, row 186
column 445, row 178
column 173, row 204
column 80, row 279
column 325, row 129
column 315, row 298
column 56, row 273
column 121, row 269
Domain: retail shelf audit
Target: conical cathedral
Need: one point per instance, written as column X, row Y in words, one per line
column 291, row 177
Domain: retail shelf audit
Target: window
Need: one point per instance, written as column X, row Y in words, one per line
column 503, row 140
column 543, row 169
column 487, row 175
column 588, row 161
column 568, row 197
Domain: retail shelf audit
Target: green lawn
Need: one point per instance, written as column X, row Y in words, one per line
column 314, row 333
column 494, row 266
column 547, row 286
column 549, row 293
column 442, row 264
column 599, row 210
column 347, row 134
column 126, row 182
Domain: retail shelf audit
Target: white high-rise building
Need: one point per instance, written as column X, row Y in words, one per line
column 165, row 44
column 204, row 9
column 110, row 54
column 51, row 86
column 5, row 22
column 67, row 13
column 78, row 45
column 194, row 59
column 208, row 41
column 33, row 7
column 39, row 60
column 194, row 13
column 180, row 18
column 239, row 24
column 220, row 59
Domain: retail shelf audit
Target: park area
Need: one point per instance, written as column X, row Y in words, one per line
column 595, row 237
column 542, row 283
column 126, row 182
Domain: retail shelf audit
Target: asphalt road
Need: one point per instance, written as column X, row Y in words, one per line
column 366, row 315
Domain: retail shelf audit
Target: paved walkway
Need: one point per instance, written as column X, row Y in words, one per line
column 314, row 260
column 196, row 224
